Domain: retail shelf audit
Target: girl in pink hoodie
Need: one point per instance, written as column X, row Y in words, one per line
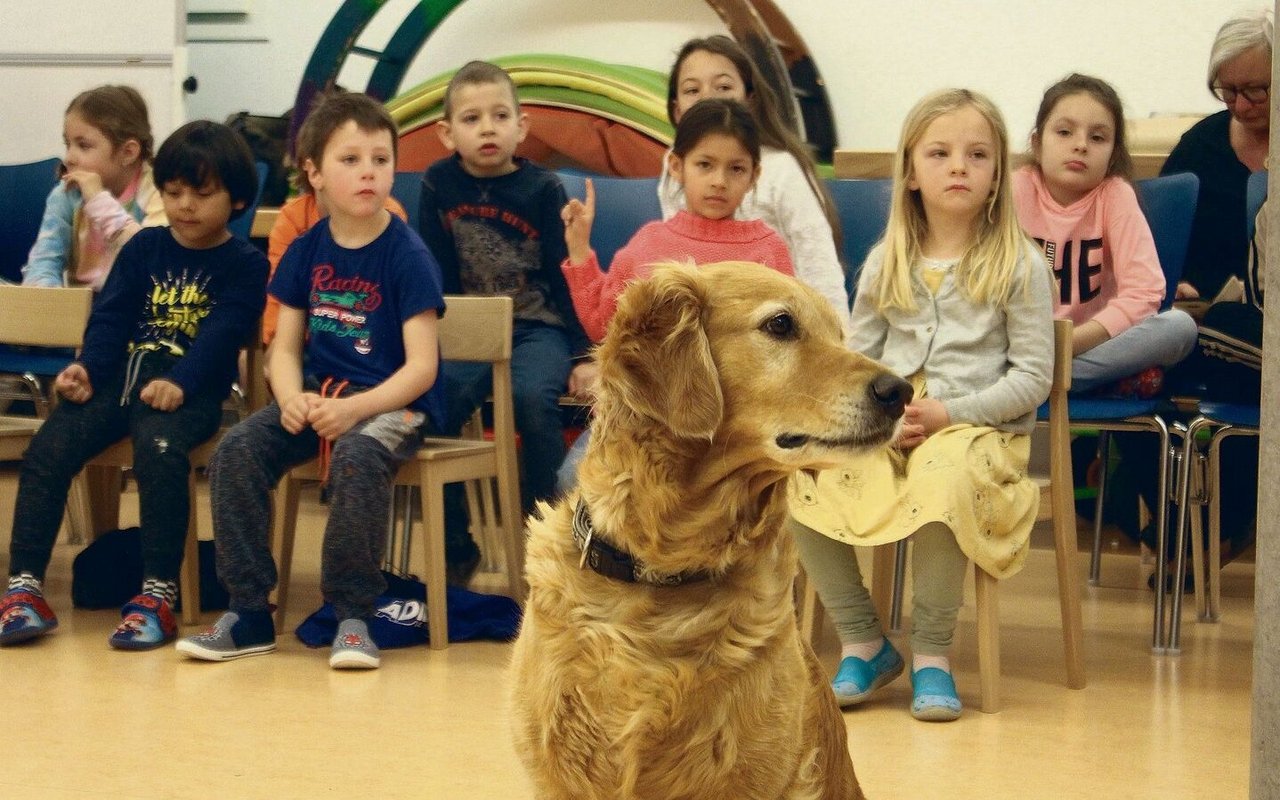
column 1076, row 201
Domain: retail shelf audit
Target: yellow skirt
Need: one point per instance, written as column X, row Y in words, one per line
column 973, row 479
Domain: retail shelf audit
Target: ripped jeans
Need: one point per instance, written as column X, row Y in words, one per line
column 76, row 432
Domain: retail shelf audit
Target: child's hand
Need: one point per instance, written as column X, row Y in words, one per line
column 911, row 436
column 162, row 395
column 89, row 183
column 1186, row 291
column 73, row 384
column 583, row 379
column 931, row 415
column 578, row 217
column 333, row 416
column 294, row 411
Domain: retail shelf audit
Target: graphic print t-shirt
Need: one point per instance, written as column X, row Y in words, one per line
column 197, row 305
column 356, row 302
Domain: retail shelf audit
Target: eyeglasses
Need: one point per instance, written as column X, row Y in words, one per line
column 1253, row 94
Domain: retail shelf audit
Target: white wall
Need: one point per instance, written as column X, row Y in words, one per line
column 878, row 56
column 52, row 50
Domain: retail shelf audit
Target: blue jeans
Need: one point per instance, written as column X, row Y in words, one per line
column 1161, row 340
column 540, row 364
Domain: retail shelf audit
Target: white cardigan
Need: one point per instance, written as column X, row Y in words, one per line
column 786, row 203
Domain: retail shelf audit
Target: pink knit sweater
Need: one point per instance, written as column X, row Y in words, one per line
column 685, row 237
column 1100, row 249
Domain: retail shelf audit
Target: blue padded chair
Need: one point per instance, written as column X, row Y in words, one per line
column 242, row 225
column 1255, row 195
column 407, row 188
column 1223, row 420
column 1169, row 203
column 863, row 206
column 23, row 189
column 623, row 206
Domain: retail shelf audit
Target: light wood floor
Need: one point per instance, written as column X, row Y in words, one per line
column 84, row 721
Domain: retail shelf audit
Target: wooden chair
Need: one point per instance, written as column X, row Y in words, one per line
column 1056, row 504
column 36, row 316
column 95, row 495
column 473, row 329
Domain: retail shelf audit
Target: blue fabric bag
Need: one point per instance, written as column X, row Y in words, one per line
column 401, row 617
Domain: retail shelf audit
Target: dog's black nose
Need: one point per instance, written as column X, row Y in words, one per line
column 891, row 392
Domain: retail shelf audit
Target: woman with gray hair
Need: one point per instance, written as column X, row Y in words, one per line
column 1222, row 149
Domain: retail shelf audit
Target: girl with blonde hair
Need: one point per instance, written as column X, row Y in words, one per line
column 957, row 299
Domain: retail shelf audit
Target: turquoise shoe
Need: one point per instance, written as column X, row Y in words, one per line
column 857, row 679
column 933, row 695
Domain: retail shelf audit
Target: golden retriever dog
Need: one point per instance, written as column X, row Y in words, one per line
column 659, row 657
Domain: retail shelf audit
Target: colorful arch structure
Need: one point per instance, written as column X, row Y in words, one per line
column 603, row 114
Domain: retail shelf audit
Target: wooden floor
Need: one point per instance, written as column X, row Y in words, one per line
column 84, row 721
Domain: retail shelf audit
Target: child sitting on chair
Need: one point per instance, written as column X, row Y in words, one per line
column 159, row 357
column 493, row 220
column 106, row 195
column 360, row 296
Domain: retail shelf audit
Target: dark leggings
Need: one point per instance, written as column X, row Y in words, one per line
column 75, row 433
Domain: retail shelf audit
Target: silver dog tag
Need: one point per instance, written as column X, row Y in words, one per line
column 586, row 548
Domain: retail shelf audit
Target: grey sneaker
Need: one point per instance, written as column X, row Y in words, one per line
column 233, row 635
column 352, row 647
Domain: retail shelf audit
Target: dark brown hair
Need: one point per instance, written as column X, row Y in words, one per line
column 1121, row 163
column 765, row 107
column 332, row 111
column 717, row 115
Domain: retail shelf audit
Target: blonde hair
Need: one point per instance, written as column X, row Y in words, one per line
column 989, row 267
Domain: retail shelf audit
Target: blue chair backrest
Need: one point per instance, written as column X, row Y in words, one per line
column 1170, row 205
column 863, row 206
column 1255, row 195
column 407, row 188
column 623, row 206
column 23, row 190
column 242, row 225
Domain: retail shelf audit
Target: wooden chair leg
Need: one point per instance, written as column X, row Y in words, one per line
column 433, row 573
column 988, row 609
column 190, row 580
column 285, row 526
column 511, row 519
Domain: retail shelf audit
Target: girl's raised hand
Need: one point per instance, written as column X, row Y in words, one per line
column 578, row 216
column 89, row 183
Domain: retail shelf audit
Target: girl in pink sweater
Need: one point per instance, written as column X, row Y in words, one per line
column 716, row 157
column 1076, row 201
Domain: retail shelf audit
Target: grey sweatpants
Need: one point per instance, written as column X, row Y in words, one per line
column 1161, row 340
column 250, row 461
column 937, row 574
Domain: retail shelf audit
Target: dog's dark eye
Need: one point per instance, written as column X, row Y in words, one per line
column 780, row 325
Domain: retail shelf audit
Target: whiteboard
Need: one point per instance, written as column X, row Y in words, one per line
column 54, row 49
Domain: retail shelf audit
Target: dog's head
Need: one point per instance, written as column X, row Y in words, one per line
column 745, row 359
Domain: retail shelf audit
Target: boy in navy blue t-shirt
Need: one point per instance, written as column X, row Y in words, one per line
column 159, row 358
column 360, row 296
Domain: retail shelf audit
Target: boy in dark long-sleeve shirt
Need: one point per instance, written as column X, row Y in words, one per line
column 493, row 222
column 159, row 358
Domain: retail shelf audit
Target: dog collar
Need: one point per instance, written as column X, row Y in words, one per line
column 609, row 561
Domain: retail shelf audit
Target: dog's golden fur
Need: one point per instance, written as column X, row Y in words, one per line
column 716, row 385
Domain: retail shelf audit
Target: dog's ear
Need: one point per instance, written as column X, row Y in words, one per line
column 656, row 359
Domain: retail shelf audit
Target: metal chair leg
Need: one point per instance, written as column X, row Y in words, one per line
column 1095, row 556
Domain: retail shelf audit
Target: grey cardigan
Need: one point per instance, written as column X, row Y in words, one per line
column 988, row 366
